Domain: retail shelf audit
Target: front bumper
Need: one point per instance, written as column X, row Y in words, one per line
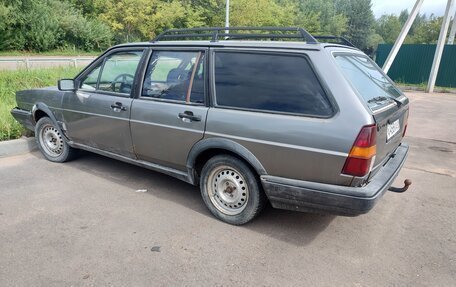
column 326, row 198
column 24, row 118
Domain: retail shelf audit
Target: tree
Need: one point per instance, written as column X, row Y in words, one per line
column 212, row 12
column 338, row 25
column 360, row 20
column 419, row 20
column 135, row 20
column 388, row 27
column 321, row 15
column 260, row 13
column 88, row 8
column 42, row 25
column 9, row 21
column 427, row 32
column 403, row 16
column 373, row 42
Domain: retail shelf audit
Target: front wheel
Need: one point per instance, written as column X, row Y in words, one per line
column 231, row 190
column 51, row 142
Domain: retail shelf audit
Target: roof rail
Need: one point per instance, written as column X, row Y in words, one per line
column 234, row 33
column 336, row 39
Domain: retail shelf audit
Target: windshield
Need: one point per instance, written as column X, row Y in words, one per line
column 370, row 82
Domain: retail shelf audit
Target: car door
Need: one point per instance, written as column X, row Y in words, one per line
column 169, row 115
column 97, row 114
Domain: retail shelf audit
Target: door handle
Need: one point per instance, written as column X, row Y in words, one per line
column 117, row 107
column 189, row 115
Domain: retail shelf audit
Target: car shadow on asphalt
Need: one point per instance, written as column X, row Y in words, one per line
column 297, row 228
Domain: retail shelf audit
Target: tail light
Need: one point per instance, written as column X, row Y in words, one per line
column 362, row 154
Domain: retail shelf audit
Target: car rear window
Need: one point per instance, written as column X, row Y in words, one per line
column 368, row 80
column 269, row 82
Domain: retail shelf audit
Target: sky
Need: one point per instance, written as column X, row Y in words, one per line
column 381, row 7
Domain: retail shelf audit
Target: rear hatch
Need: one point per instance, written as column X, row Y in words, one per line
column 387, row 103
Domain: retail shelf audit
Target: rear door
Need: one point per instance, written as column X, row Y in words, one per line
column 169, row 116
column 97, row 114
column 388, row 104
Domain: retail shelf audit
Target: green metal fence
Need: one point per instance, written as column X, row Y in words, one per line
column 413, row 64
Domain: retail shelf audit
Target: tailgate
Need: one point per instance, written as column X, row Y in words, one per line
column 387, row 103
column 391, row 122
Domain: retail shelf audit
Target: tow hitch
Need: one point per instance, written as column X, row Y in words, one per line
column 407, row 183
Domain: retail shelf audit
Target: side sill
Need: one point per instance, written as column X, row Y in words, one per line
column 184, row 176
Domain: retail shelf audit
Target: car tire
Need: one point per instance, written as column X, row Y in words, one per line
column 51, row 142
column 231, row 190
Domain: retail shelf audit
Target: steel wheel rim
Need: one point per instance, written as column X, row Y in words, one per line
column 51, row 141
column 227, row 190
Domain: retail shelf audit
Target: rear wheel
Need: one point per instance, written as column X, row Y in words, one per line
column 231, row 190
column 51, row 142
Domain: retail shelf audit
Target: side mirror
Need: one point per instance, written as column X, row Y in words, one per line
column 66, row 85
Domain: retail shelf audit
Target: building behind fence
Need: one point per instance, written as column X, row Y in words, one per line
column 413, row 64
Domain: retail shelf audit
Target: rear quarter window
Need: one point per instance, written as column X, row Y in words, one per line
column 269, row 82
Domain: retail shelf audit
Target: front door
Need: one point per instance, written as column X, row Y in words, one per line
column 97, row 114
column 169, row 116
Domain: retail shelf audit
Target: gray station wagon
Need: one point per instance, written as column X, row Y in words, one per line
column 307, row 126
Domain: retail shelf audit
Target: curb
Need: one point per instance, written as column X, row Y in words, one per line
column 16, row 147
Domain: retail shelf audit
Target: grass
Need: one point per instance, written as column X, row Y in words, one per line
column 423, row 86
column 12, row 81
column 64, row 52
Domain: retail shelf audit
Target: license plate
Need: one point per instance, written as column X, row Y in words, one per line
column 392, row 129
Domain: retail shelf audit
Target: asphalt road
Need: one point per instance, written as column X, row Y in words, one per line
column 83, row 223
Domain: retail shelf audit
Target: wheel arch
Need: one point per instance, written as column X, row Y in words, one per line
column 205, row 149
column 40, row 110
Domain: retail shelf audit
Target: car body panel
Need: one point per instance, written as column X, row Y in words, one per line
column 385, row 147
column 287, row 146
column 335, row 199
column 50, row 97
column 384, row 115
column 280, row 147
column 160, row 136
column 91, row 121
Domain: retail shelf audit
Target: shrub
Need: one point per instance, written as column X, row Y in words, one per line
column 43, row 25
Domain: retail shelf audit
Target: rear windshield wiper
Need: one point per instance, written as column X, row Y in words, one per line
column 381, row 86
column 382, row 98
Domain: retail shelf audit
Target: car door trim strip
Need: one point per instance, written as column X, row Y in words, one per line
column 310, row 149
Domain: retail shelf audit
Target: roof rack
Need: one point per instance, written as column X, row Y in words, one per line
column 336, row 39
column 235, row 33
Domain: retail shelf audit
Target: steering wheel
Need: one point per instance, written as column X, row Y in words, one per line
column 124, row 83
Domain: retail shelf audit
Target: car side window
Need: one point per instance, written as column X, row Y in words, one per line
column 90, row 81
column 117, row 73
column 269, row 82
column 175, row 75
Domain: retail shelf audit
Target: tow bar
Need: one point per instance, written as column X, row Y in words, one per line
column 407, row 183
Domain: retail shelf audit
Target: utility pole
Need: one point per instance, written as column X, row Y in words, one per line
column 452, row 31
column 439, row 48
column 397, row 45
column 227, row 15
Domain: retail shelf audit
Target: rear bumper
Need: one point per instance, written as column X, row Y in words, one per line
column 24, row 118
column 326, row 198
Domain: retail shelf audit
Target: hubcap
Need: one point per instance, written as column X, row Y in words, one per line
column 227, row 190
column 51, row 141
